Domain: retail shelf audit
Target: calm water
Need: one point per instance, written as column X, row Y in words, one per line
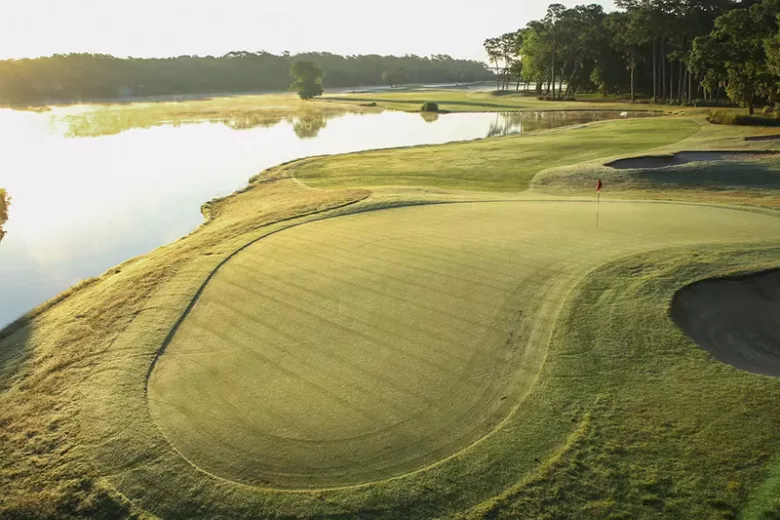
column 83, row 204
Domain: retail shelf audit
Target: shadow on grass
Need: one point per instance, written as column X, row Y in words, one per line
column 14, row 350
column 679, row 158
column 723, row 174
column 757, row 177
column 14, row 337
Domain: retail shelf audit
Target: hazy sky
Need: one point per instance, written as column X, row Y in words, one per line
column 173, row 27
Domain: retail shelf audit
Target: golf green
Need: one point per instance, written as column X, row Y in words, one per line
column 367, row 346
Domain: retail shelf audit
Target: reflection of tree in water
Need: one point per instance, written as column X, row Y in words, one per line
column 5, row 201
column 507, row 123
column 499, row 126
column 245, row 121
column 309, row 125
column 429, row 117
column 117, row 119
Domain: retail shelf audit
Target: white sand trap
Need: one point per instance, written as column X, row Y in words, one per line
column 736, row 319
column 659, row 161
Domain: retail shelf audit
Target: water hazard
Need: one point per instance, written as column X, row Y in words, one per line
column 91, row 188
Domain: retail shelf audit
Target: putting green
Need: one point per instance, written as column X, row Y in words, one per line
column 367, row 346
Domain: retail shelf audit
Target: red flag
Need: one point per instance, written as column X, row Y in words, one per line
column 598, row 185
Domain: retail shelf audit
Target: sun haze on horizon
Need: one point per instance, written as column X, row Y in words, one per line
column 163, row 28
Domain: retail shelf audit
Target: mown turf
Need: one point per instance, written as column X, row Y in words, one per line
column 505, row 164
column 366, row 346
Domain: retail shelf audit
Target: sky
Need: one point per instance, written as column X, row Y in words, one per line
column 145, row 28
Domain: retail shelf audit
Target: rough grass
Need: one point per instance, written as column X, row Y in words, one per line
column 505, row 164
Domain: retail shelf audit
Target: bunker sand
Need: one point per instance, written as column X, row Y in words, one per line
column 660, row 161
column 736, row 319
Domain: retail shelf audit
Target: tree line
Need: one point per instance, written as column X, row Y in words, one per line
column 76, row 77
column 678, row 51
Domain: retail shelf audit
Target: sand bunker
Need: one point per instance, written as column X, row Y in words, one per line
column 736, row 319
column 772, row 137
column 659, row 161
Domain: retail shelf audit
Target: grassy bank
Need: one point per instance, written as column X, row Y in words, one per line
column 750, row 182
column 504, row 164
column 577, row 395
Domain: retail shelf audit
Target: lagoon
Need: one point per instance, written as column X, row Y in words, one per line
column 91, row 188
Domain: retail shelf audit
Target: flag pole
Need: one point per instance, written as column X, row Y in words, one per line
column 598, row 201
column 598, row 205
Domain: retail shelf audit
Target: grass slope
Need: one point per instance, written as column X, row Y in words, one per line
column 506, row 164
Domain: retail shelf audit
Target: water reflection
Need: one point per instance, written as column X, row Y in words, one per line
column 429, row 117
column 307, row 119
column 309, row 126
column 82, row 205
column 238, row 113
column 508, row 123
column 247, row 121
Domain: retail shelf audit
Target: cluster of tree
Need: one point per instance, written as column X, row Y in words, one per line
column 76, row 77
column 674, row 50
column 5, row 201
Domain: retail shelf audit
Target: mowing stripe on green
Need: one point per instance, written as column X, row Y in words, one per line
column 367, row 346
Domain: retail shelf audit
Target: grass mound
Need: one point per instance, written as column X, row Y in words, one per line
column 754, row 182
column 505, row 164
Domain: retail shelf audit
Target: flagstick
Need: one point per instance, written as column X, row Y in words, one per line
column 598, row 205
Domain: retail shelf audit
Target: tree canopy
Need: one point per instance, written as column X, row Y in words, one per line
column 680, row 51
column 79, row 77
column 5, row 201
column 307, row 79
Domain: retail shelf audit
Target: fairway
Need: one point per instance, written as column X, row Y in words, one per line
column 502, row 164
column 367, row 346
